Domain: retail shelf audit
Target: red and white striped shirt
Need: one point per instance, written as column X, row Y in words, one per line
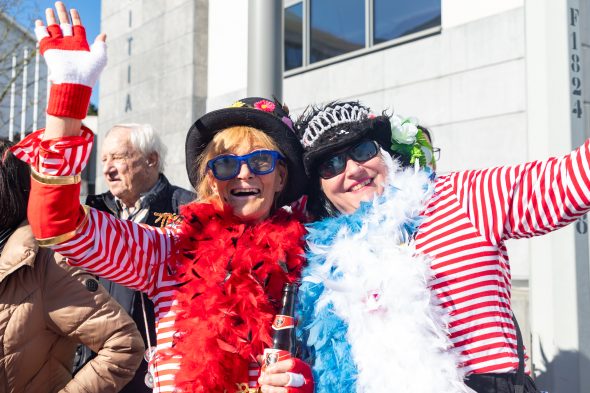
column 467, row 222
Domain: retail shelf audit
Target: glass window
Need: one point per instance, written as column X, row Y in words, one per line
column 294, row 36
column 396, row 18
column 336, row 27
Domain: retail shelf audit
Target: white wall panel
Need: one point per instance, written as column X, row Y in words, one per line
column 458, row 12
column 228, row 46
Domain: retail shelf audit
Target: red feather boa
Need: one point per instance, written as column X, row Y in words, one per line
column 231, row 276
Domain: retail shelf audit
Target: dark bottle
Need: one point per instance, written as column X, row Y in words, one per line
column 283, row 328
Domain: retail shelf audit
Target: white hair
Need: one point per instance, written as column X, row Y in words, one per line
column 144, row 138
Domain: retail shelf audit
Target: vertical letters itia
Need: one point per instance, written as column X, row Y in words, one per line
column 128, row 106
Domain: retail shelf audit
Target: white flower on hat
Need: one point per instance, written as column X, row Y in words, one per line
column 403, row 130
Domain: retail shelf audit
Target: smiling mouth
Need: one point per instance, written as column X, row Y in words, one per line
column 360, row 185
column 245, row 192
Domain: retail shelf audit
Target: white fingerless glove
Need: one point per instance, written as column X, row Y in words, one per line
column 74, row 68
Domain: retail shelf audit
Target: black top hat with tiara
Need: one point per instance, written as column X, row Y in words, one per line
column 268, row 116
column 325, row 129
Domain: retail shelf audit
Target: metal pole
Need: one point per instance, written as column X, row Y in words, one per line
column 23, row 108
column 265, row 48
column 36, row 91
column 12, row 99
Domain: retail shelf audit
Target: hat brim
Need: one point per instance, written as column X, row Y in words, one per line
column 204, row 129
column 378, row 129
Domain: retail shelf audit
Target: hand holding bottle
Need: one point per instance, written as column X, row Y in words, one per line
column 287, row 376
column 282, row 373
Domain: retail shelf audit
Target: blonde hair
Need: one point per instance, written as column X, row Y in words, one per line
column 223, row 142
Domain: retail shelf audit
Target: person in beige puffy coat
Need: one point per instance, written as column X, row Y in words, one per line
column 47, row 308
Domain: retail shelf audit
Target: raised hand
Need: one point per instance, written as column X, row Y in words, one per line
column 74, row 67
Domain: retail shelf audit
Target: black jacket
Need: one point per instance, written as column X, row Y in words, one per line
column 168, row 200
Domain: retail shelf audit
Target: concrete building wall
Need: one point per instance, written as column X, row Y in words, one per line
column 157, row 71
column 459, row 12
column 465, row 80
column 585, row 40
column 228, row 52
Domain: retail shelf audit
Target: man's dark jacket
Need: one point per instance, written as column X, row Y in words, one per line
column 168, row 200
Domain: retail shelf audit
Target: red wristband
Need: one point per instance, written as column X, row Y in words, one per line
column 69, row 100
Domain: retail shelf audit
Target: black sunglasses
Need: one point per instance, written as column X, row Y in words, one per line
column 336, row 164
column 260, row 162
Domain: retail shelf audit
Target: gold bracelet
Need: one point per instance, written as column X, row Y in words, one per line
column 52, row 241
column 55, row 180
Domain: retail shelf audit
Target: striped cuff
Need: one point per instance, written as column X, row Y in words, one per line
column 69, row 100
column 66, row 156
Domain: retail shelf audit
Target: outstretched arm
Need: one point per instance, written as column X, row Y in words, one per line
column 529, row 199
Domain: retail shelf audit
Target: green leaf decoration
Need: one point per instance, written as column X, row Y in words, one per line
column 413, row 151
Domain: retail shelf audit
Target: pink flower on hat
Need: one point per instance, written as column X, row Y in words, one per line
column 265, row 105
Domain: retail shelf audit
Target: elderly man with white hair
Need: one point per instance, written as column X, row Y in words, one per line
column 133, row 164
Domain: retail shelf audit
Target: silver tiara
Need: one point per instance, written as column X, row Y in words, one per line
column 330, row 118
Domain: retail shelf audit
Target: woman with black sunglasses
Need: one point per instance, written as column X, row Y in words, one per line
column 215, row 273
column 368, row 320
column 408, row 286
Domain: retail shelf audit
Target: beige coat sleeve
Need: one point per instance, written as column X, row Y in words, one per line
column 92, row 318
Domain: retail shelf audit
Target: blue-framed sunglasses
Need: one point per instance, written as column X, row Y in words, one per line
column 260, row 162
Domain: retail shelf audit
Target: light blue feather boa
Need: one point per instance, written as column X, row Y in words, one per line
column 325, row 336
column 321, row 331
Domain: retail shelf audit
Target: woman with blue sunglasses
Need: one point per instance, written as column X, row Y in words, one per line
column 216, row 273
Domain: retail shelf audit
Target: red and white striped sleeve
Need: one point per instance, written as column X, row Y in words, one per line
column 529, row 199
column 124, row 252
column 66, row 156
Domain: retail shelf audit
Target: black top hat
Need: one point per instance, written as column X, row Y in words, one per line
column 326, row 129
column 267, row 116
